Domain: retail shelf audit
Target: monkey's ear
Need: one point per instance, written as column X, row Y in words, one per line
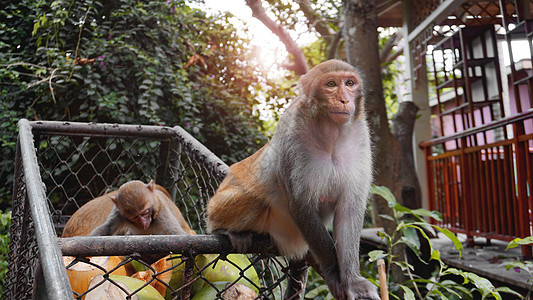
column 114, row 199
column 151, row 185
column 305, row 84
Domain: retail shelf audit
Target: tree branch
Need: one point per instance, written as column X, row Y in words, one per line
column 335, row 43
column 300, row 64
column 391, row 42
column 314, row 20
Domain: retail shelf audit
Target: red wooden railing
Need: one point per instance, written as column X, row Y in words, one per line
column 484, row 190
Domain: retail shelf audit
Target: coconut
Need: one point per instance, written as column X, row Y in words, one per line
column 173, row 277
column 106, row 290
column 234, row 292
column 224, row 270
column 81, row 273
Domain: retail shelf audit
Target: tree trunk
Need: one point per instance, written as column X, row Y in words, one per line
column 402, row 128
column 360, row 25
column 361, row 37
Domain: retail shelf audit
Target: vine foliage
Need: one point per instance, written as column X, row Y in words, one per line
column 127, row 61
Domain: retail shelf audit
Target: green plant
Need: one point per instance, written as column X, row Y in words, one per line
column 128, row 61
column 411, row 225
column 526, row 266
column 5, row 224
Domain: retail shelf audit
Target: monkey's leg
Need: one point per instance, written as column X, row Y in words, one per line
column 297, row 280
column 234, row 213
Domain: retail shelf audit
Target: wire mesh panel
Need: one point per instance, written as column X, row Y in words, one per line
column 77, row 162
column 23, row 245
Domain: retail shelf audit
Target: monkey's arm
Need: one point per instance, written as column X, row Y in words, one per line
column 89, row 216
column 173, row 211
column 348, row 224
column 320, row 242
column 167, row 222
column 111, row 224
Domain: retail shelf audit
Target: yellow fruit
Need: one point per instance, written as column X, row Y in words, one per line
column 173, row 277
column 234, row 292
column 110, row 291
column 224, row 270
column 81, row 273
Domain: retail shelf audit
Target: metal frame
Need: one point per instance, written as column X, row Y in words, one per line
column 35, row 250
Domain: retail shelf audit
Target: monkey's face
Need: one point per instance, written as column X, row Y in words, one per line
column 143, row 218
column 337, row 94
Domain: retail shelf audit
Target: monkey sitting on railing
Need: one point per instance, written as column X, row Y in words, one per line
column 317, row 167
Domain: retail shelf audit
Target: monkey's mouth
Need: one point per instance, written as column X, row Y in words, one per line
column 340, row 116
column 339, row 112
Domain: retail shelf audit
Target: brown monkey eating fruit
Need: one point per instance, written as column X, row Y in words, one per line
column 136, row 208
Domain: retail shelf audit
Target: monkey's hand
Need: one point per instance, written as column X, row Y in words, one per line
column 331, row 275
column 109, row 227
column 361, row 289
column 240, row 240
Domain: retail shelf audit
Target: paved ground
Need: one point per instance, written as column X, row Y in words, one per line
column 482, row 259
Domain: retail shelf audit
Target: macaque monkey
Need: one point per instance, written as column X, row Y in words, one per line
column 136, row 208
column 316, row 169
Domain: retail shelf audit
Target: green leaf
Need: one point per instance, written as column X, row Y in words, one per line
column 385, row 193
column 407, row 293
column 376, row 254
column 508, row 290
column 403, row 265
column 426, row 213
column 439, row 293
column 518, row 242
column 435, row 254
column 483, row 285
column 387, row 217
column 457, row 244
column 317, row 291
column 411, row 238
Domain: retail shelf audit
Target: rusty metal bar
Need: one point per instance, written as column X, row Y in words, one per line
column 57, row 283
column 202, row 150
column 102, row 130
column 157, row 244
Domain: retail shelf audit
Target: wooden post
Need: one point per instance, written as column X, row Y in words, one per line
column 383, row 280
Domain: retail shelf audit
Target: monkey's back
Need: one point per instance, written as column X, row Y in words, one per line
column 84, row 220
column 237, row 204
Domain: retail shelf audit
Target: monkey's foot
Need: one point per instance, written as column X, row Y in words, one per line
column 240, row 240
column 362, row 290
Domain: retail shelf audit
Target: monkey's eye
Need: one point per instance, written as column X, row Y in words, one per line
column 350, row 83
column 331, row 83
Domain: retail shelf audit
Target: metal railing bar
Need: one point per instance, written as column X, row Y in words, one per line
column 57, row 283
column 472, row 131
column 210, row 157
column 158, row 244
column 102, row 130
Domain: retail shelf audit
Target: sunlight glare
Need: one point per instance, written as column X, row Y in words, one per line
column 269, row 51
